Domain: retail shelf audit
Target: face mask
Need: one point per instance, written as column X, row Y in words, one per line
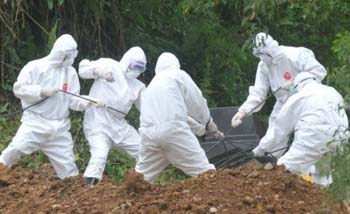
column 67, row 62
column 266, row 59
column 69, row 58
column 132, row 74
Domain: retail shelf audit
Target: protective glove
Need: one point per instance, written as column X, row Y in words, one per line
column 100, row 104
column 258, row 152
column 213, row 131
column 48, row 91
column 93, row 102
column 104, row 73
column 237, row 119
column 286, row 86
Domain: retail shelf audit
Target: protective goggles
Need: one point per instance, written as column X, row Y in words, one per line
column 258, row 52
column 259, row 41
column 137, row 65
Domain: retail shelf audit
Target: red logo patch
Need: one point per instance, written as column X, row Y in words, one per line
column 287, row 75
column 65, row 87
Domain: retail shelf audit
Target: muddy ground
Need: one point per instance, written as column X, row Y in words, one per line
column 247, row 189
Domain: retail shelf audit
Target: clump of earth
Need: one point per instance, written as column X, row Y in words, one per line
column 246, row 189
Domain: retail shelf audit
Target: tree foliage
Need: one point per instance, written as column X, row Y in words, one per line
column 211, row 38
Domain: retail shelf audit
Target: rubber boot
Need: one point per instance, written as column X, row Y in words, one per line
column 91, row 181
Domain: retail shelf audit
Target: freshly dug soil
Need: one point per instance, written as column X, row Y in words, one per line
column 247, row 189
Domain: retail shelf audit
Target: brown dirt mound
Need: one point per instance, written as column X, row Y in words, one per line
column 247, row 189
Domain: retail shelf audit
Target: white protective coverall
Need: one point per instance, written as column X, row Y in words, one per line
column 316, row 116
column 46, row 126
column 167, row 102
column 105, row 128
column 283, row 65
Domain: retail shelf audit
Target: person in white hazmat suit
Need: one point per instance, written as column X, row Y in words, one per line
column 276, row 70
column 45, row 120
column 316, row 115
column 116, row 85
column 169, row 101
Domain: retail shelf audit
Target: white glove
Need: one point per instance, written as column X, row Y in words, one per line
column 213, row 131
column 100, row 104
column 258, row 152
column 104, row 73
column 286, row 86
column 48, row 92
column 95, row 102
column 237, row 119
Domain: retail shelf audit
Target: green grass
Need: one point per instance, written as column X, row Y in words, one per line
column 118, row 161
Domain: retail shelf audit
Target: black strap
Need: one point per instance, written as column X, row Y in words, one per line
column 26, row 108
column 206, row 125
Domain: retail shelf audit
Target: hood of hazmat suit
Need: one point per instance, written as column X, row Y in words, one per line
column 133, row 63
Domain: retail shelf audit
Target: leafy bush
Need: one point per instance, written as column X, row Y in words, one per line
column 339, row 76
column 211, row 38
column 337, row 163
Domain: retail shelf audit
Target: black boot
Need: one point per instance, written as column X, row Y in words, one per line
column 91, row 181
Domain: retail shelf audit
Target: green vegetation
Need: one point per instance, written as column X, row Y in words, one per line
column 212, row 39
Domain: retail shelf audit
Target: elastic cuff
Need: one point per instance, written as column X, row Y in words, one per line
column 206, row 125
column 94, row 72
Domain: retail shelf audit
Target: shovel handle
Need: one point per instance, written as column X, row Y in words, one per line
column 90, row 100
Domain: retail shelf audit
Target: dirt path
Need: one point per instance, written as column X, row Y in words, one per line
column 247, row 189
